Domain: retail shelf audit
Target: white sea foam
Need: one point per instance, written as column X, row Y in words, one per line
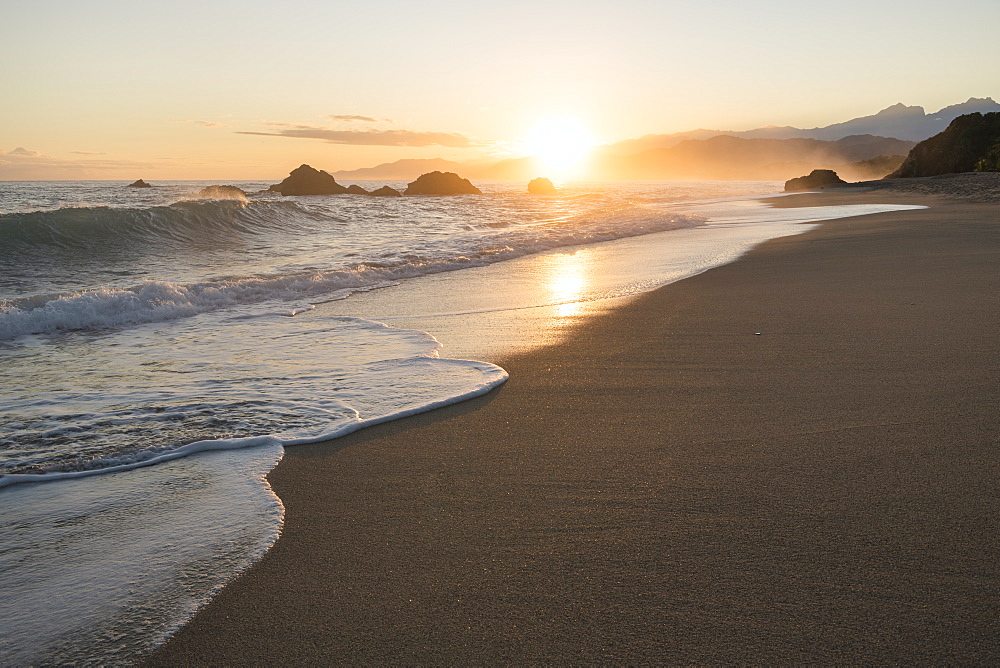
column 490, row 375
column 168, row 391
column 158, row 301
column 97, row 574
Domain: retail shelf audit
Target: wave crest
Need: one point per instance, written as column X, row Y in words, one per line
column 185, row 222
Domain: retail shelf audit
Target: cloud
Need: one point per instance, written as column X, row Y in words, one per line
column 369, row 137
column 24, row 165
column 86, row 153
column 204, row 124
column 363, row 119
column 20, row 150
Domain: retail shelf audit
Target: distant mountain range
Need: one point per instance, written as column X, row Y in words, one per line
column 401, row 170
column 861, row 148
column 898, row 121
column 728, row 158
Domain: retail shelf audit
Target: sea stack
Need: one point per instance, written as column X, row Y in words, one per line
column 441, row 183
column 385, row 191
column 355, row 189
column 304, row 180
column 817, row 179
column 541, row 186
column 139, row 184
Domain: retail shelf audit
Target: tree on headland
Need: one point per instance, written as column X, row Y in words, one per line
column 991, row 161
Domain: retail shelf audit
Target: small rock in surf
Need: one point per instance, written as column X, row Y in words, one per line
column 541, row 186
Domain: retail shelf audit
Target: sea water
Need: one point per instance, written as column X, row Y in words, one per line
column 158, row 350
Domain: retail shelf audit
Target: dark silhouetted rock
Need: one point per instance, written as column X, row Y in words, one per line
column 139, row 184
column 970, row 143
column 222, row 192
column 385, row 191
column 441, row 183
column 541, row 186
column 355, row 189
column 817, row 179
column 305, row 180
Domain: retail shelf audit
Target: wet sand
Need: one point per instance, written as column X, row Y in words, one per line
column 791, row 458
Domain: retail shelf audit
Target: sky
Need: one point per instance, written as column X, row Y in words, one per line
column 249, row 90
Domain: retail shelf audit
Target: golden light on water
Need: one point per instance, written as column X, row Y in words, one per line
column 561, row 144
column 567, row 279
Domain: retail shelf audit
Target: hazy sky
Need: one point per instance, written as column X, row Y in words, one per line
column 234, row 90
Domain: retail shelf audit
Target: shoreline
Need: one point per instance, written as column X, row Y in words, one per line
column 665, row 486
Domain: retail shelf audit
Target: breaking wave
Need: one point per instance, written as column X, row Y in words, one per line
column 185, row 222
column 212, row 223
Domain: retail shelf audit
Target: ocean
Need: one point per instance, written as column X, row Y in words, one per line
column 159, row 350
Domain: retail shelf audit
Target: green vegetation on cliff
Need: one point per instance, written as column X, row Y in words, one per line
column 991, row 161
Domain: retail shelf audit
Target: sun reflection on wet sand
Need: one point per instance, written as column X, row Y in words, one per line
column 567, row 277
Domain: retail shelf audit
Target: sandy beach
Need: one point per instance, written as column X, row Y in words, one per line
column 791, row 458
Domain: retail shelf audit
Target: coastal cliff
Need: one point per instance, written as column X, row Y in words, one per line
column 971, row 143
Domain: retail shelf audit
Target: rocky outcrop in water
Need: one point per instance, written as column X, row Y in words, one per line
column 816, row 180
column 385, row 191
column 139, row 184
column 355, row 189
column 441, row 183
column 971, row 143
column 541, row 186
column 222, row 192
column 305, row 180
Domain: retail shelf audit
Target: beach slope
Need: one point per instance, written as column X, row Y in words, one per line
column 791, row 458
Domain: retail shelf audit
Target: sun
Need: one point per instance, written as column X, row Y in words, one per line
column 560, row 143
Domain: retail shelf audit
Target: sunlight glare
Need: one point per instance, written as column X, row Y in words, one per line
column 567, row 281
column 560, row 143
